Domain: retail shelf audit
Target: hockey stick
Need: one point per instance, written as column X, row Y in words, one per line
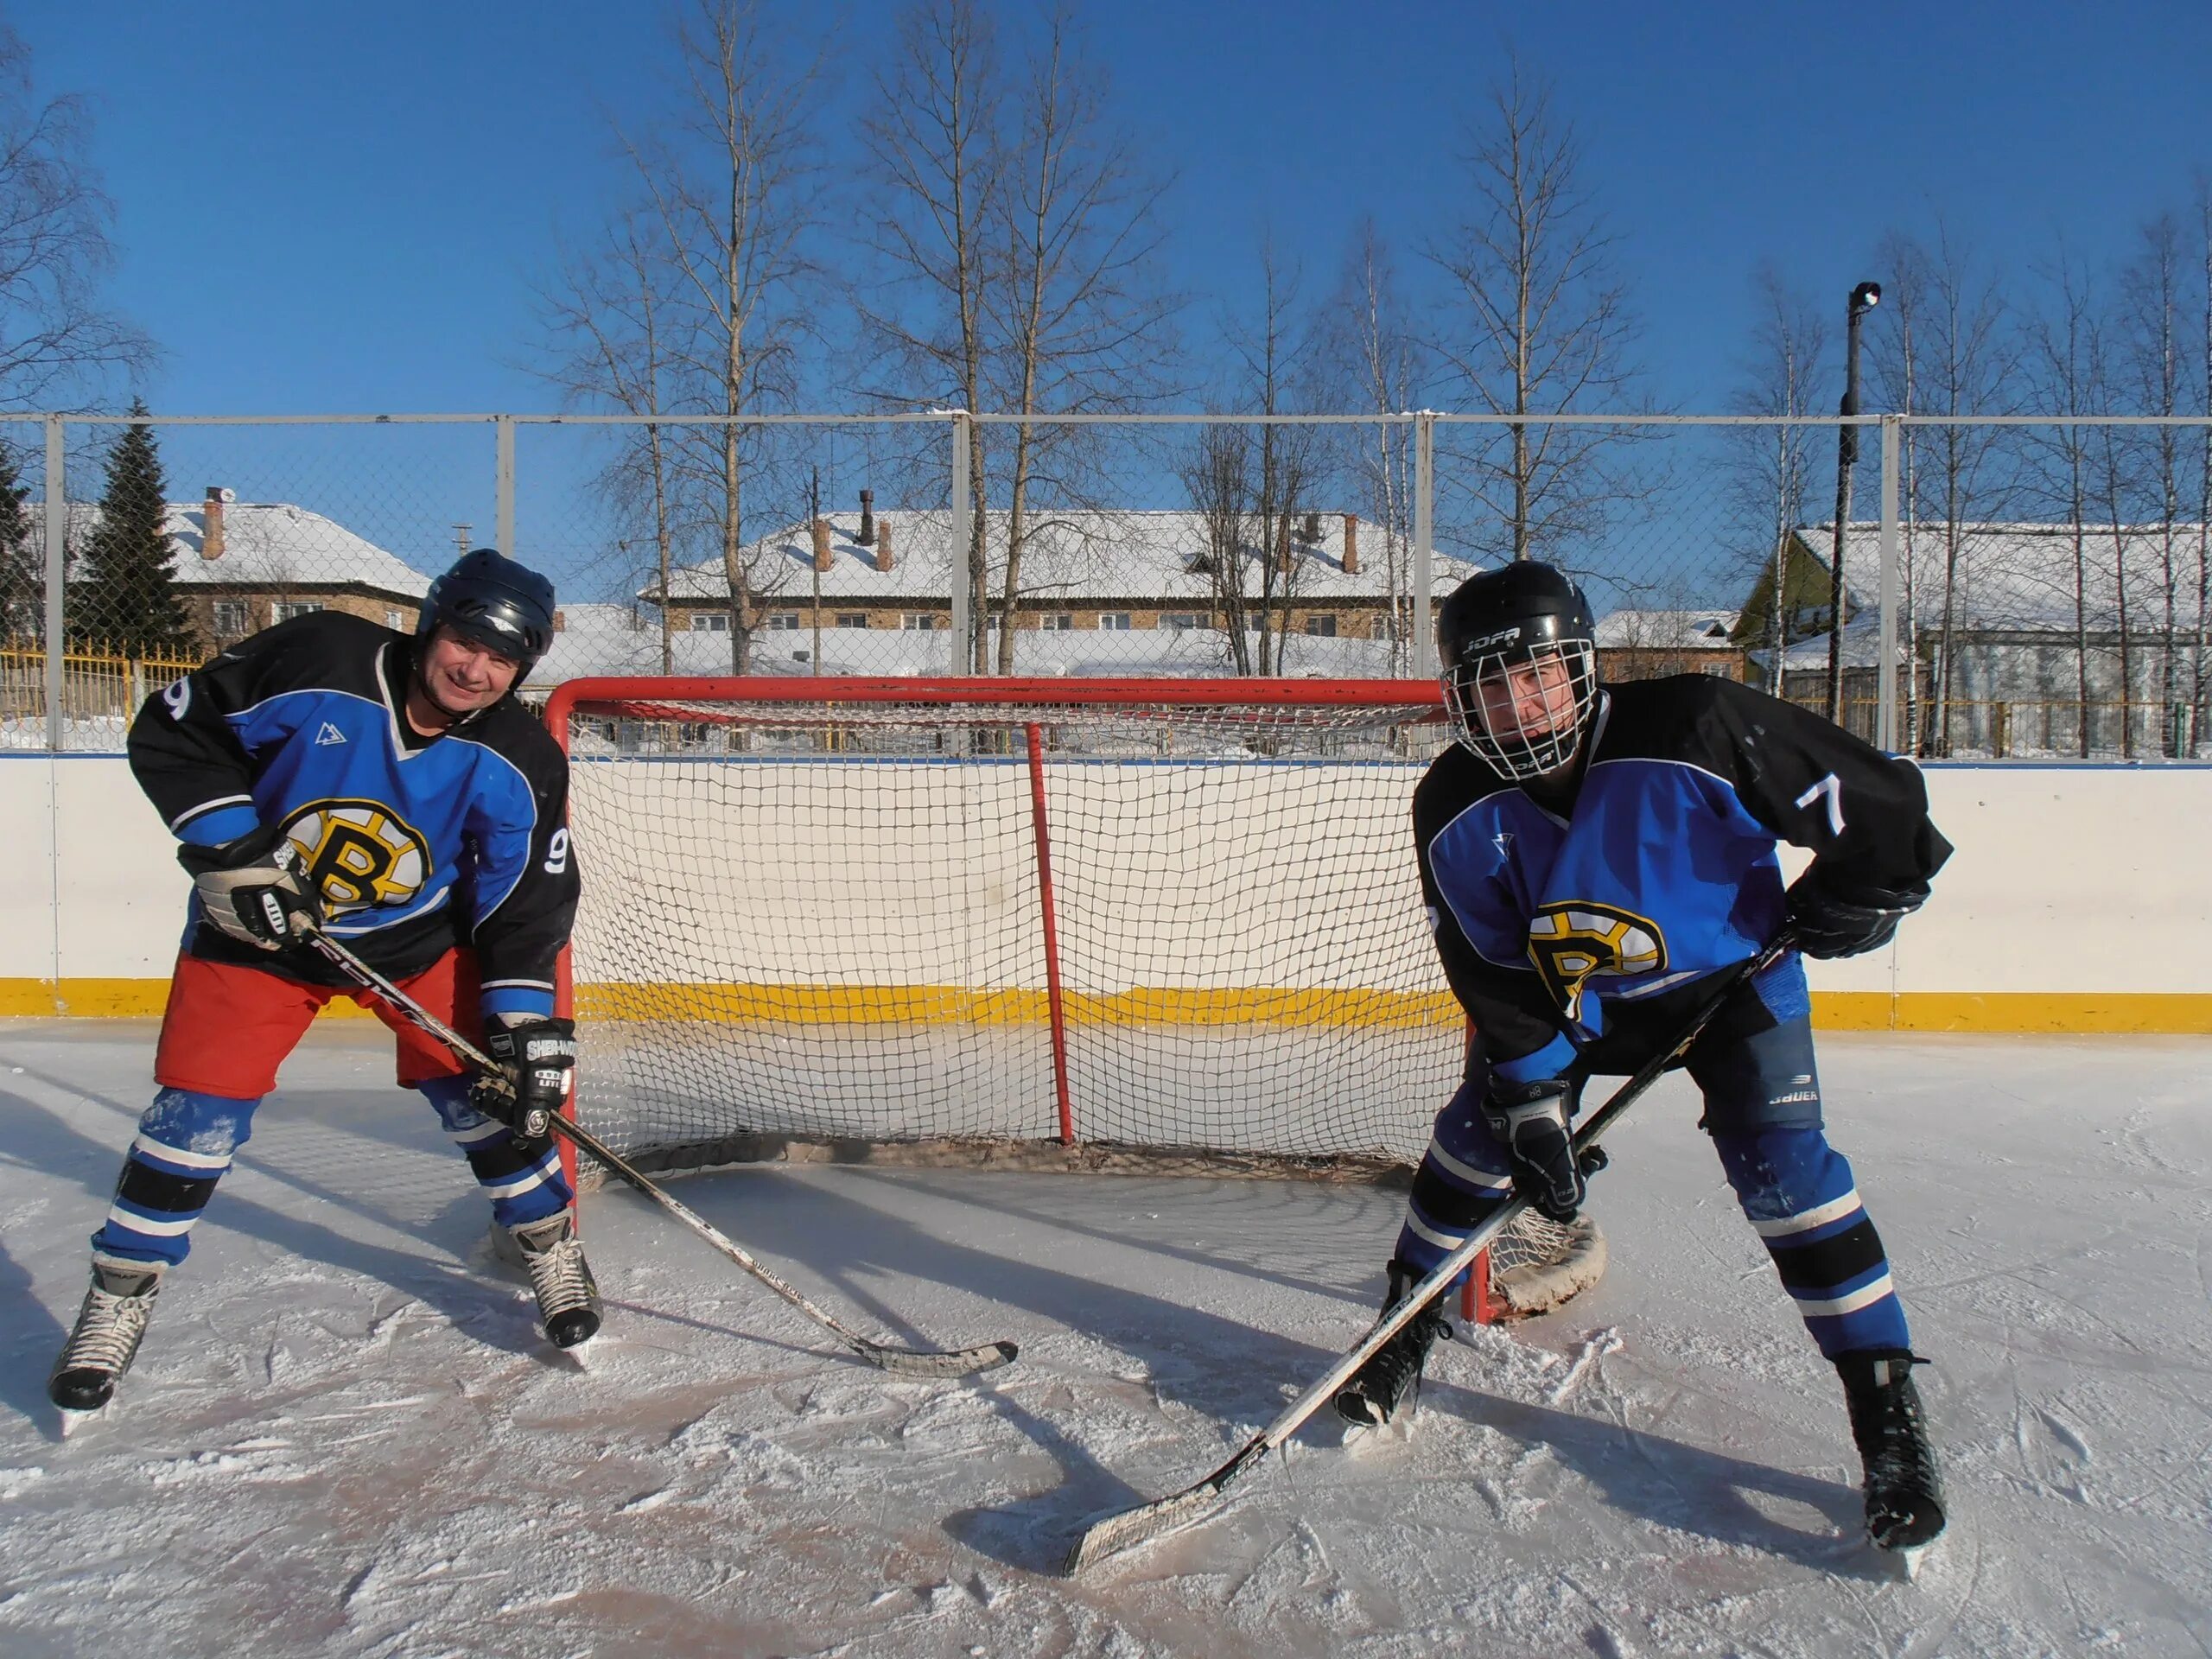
column 906, row 1362
column 1119, row 1530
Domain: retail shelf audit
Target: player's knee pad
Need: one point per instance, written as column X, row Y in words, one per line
column 194, row 1126
column 1781, row 1172
column 448, row 1097
column 185, row 1142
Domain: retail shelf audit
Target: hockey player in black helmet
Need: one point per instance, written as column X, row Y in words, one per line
column 328, row 771
column 1591, row 856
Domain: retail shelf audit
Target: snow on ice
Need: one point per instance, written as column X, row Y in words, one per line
column 345, row 1437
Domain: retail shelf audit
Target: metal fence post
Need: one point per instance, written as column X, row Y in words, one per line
column 1423, row 656
column 963, row 618
column 503, row 488
column 57, row 562
column 1885, row 667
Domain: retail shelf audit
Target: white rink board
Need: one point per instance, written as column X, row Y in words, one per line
column 2063, row 878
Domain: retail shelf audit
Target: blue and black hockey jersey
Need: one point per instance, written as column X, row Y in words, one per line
column 417, row 844
column 1581, row 924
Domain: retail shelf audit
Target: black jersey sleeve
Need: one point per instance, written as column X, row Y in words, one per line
column 1863, row 814
column 1514, row 1016
column 527, row 881
column 183, row 750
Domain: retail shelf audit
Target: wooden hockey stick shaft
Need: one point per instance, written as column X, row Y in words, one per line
column 914, row 1361
column 1119, row 1529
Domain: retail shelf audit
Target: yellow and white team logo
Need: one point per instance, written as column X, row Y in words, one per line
column 359, row 853
column 1574, row 942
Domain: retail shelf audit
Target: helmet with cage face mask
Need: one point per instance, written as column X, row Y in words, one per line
column 1520, row 668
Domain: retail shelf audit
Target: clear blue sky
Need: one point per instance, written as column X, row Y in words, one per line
column 326, row 208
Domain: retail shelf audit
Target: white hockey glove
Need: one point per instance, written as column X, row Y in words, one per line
column 254, row 890
column 1530, row 1120
column 537, row 1063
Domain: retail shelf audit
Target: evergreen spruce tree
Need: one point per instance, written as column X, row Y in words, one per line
column 125, row 594
column 22, row 565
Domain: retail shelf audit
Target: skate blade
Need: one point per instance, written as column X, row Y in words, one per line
column 580, row 1355
column 1907, row 1559
column 74, row 1420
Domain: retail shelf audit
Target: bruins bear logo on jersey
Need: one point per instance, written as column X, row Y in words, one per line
column 1574, row 942
column 358, row 853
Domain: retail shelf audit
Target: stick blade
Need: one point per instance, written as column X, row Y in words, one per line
column 1119, row 1529
column 957, row 1362
column 1112, row 1534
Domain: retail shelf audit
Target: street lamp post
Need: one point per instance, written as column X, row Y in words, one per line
column 1863, row 298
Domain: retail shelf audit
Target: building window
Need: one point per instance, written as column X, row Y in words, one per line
column 233, row 618
column 1322, row 624
column 1114, row 621
column 1181, row 620
column 922, row 621
column 395, row 620
column 285, row 609
column 852, row 619
column 709, row 622
column 782, row 622
column 1057, row 621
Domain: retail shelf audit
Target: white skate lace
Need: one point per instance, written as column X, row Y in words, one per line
column 109, row 1327
column 558, row 1276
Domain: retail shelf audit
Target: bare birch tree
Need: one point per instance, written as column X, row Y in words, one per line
column 733, row 180
column 1250, row 482
column 1540, row 321
column 2067, row 367
column 1382, row 368
column 1782, row 377
column 2152, row 298
column 608, row 350
column 935, row 132
column 59, row 345
column 1084, row 324
column 1943, row 345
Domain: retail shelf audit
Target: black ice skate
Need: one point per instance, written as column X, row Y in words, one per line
column 1904, row 1497
column 1372, row 1397
column 109, row 1324
column 568, row 1299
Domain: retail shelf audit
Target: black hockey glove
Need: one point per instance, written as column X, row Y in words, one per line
column 1831, row 920
column 537, row 1067
column 254, row 890
column 1530, row 1121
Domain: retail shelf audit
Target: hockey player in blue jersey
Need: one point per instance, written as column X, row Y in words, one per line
column 1590, row 856
column 331, row 774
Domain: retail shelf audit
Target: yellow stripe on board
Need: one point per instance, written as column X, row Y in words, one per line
column 114, row 999
column 919, row 1004
column 2052, row 1013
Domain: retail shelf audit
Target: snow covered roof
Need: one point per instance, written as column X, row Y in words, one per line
column 599, row 640
column 2021, row 576
column 1078, row 556
column 266, row 544
column 1695, row 630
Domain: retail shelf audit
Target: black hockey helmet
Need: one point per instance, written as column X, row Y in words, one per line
column 1527, row 617
column 489, row 598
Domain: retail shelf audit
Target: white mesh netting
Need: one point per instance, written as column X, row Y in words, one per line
column 826, row 921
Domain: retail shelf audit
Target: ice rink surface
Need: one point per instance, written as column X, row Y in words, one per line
column 345, row 1437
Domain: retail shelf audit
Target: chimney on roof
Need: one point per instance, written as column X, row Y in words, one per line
column 822, row 558
column 867, row 537
column 883, row 544
column 212, row 544
column 1282, row 544
column 1351, row 544
column 1313, row 528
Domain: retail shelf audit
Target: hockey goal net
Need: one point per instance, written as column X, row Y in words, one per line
column 1136, row 924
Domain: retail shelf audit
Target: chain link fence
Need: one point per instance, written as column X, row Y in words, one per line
column 2011, row 586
